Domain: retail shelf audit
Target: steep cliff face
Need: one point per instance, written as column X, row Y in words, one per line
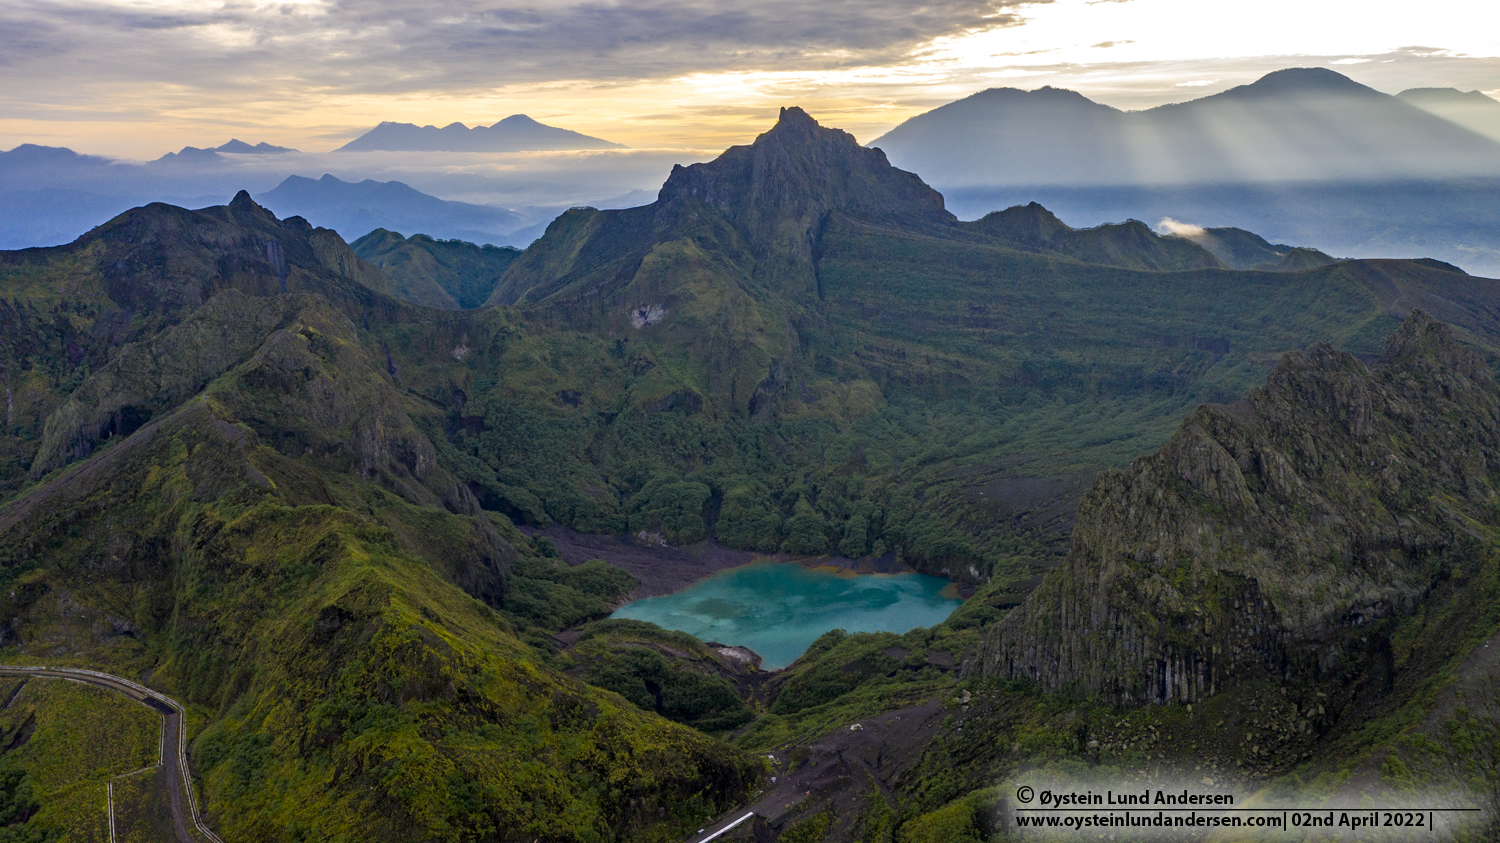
column 1269, row 535
column 799, row 171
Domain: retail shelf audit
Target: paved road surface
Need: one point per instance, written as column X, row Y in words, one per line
column 174, row 734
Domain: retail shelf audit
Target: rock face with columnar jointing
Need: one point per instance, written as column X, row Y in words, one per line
column 1271, row 534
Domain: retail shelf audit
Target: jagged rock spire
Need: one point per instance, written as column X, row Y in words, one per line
column 801, row 170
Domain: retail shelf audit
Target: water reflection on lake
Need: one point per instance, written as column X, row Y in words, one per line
column 778, row 609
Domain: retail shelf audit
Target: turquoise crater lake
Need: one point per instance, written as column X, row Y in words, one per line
column 778, row 609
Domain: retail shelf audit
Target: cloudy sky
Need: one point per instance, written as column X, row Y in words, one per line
column 138, row 77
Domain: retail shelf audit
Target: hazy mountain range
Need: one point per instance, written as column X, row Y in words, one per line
column 199, row 155
column 355, row 209
column 1470, row 109
column 1296, row 124
column 516, row 133
column 52, row 195
column 1306, row 157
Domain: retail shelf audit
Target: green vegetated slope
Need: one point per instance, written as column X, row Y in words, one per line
column 450, row 274
column 1241, row 249
column 142, row 803
column 671, row 673
column 1266, row 531
column 797, row 349
column 234, row 461
column 1296, row 600
column 1032, row 228
column 237, row 501
column 63, row 742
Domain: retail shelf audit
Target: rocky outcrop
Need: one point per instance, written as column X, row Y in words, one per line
column 777, row 191
column 1268, row 534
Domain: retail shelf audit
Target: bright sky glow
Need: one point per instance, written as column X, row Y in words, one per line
column 139, row 77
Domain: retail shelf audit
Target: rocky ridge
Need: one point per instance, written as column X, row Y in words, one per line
column 1272, row 535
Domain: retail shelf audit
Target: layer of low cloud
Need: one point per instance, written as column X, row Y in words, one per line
column 1179, row 228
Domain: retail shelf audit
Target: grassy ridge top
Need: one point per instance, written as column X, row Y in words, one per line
column 448, row 274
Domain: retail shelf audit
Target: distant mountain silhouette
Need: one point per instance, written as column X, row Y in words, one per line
column 190, row 155
column 1300, row 123
column 31, row 156
column 239, row 147
column 1010, row 135
column 51, row 195
column 40, row 203
column 354, row 209
column 210, row 155
column 516, row 133
column 1472, row 109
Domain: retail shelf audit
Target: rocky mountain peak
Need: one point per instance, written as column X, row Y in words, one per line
column 1303, row 80
column 1426, row 346
column 242, row 201
column 790, row 177
column 792, row 115
column 244, row 210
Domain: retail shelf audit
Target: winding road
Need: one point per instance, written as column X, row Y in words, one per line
column 173, row 742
